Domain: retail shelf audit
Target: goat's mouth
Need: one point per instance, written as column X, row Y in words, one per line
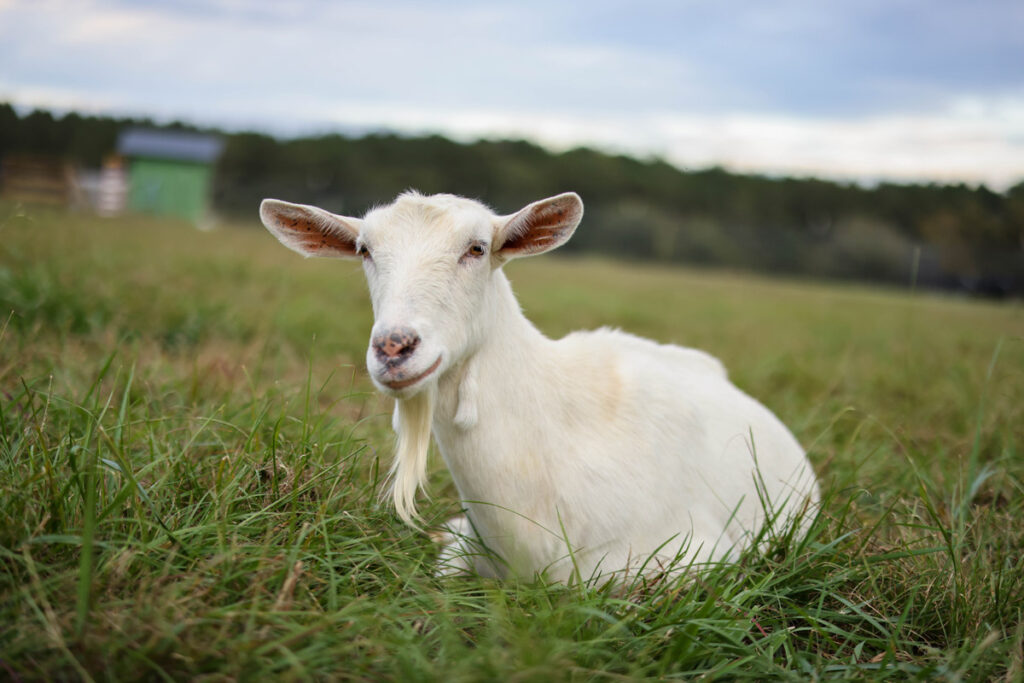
column 400, row 383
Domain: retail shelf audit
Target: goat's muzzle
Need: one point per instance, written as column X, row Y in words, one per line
column 398, row 380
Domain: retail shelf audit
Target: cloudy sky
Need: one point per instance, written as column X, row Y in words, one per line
column 852, row 89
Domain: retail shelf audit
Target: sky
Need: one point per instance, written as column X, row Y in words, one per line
column 862, row 90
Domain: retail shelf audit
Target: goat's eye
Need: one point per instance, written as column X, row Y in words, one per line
column 476, row 250
column 363, row 251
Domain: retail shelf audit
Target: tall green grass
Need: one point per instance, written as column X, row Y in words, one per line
column 190, row 459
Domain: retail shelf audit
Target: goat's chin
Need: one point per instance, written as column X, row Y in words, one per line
column 406, row 384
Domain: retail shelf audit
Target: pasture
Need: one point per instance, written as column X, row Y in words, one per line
column 191, row 454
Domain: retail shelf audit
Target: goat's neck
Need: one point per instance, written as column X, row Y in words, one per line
column 506, row 358
column 511, row 349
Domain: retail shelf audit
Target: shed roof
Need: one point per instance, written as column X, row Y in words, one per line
column 165, row 144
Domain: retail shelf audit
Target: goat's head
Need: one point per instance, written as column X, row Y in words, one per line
column 429, row 262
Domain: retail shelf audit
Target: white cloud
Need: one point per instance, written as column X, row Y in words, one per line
column 948, row 146
column 107, row 27
column 58, row 99
column 506, row 70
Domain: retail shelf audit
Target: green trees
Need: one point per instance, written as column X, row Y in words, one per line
column 942, row 235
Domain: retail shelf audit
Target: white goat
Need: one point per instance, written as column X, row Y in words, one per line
column 579, row 457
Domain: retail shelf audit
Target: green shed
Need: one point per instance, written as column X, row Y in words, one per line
column 170, row 172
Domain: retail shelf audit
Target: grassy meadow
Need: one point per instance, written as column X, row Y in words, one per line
column 191, row 454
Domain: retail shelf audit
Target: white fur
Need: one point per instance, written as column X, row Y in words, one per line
column 578, row 457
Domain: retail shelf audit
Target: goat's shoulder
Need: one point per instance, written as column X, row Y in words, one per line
column 614, row 341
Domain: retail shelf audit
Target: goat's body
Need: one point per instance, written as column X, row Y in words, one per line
column 590, row 455
column 608, row 445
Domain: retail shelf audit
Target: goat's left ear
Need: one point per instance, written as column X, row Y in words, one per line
column 539, row 227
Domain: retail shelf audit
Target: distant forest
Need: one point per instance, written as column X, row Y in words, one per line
column 943, row 236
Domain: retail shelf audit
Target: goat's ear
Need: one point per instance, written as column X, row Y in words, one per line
column 309, row 230
column 538, row 227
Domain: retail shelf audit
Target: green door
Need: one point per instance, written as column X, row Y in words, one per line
column 169, row 188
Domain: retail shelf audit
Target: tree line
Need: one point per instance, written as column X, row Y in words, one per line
column 951, row 236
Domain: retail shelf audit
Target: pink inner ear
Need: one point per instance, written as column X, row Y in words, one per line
column 315, row 235
column 533, row 240
column 541, row 227
column 560, row 212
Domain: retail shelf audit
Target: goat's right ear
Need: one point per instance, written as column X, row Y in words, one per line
column 310, row 230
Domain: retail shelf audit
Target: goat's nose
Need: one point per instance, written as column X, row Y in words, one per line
column 394, row 346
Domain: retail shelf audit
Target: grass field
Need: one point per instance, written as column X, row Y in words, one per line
column 190, row 457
